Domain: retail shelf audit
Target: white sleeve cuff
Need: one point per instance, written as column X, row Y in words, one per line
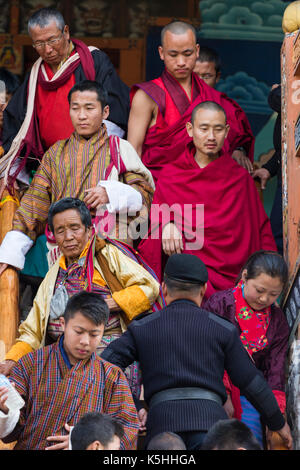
column 14, row 247
column 113, row 129
column 8, row 422
column 122, row 197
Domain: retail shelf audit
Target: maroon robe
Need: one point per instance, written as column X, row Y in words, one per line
column 167, row 139
column 234, row 225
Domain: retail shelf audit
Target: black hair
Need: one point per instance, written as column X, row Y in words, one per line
column 174, row 286
column 90, row 304
column 265, row 262
column 11, row 81
column 212, row 105
column 230, row 434
column 90, row 85
column 44, row 16
column 207, row 54
column 70, row 203
column 166, row 441
column 177, row 27
column 95, row 426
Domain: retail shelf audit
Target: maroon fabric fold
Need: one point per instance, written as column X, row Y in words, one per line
column 155, row 92
column 55, row 84
column 178, row 94
column 86, row 59
column 115, row 157
column 32, row 142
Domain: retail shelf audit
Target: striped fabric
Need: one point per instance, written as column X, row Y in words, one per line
column 55, row 395
column 74, row 283
column 251, row 417
column 67, row 169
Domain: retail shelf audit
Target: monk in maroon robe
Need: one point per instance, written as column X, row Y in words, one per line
column 161, row 108
column 206, row 204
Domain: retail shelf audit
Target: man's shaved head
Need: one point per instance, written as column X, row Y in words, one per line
column 211, row 105
column 178, row 27
column 179, row 50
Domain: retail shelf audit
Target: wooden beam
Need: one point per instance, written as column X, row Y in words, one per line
column 9, row 281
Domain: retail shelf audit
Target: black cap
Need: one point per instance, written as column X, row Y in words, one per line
column 186, row 268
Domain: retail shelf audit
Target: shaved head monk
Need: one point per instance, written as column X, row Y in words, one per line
column 103, row 170
column 206, row 204
column 160, row 108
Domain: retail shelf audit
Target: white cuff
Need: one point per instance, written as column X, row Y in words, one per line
column 122, row 197
column 8, row 422
column 14, row 247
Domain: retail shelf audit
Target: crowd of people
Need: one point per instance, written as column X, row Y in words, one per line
column 157, row 325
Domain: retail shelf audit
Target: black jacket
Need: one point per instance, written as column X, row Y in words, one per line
column 186, row 346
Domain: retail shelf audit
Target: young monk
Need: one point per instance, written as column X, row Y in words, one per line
column 160, row 108
column 262, row 325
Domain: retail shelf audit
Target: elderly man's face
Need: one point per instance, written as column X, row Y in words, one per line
column 71, row 234
column 51, row 43
column 86, row 112
column 207, row 71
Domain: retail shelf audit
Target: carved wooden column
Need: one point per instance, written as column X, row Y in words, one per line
column 9, row 281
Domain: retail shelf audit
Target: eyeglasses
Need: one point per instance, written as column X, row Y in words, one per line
column 206, row 76
column 51, row 42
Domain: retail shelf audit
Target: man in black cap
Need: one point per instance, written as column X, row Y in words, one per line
column 183, row 351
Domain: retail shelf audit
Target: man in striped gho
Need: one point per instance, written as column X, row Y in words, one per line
column 104, row 171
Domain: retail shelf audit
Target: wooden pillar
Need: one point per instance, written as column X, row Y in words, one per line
column 9, row 281
column 290, row 114
column 132, row 61
column 14, row 17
